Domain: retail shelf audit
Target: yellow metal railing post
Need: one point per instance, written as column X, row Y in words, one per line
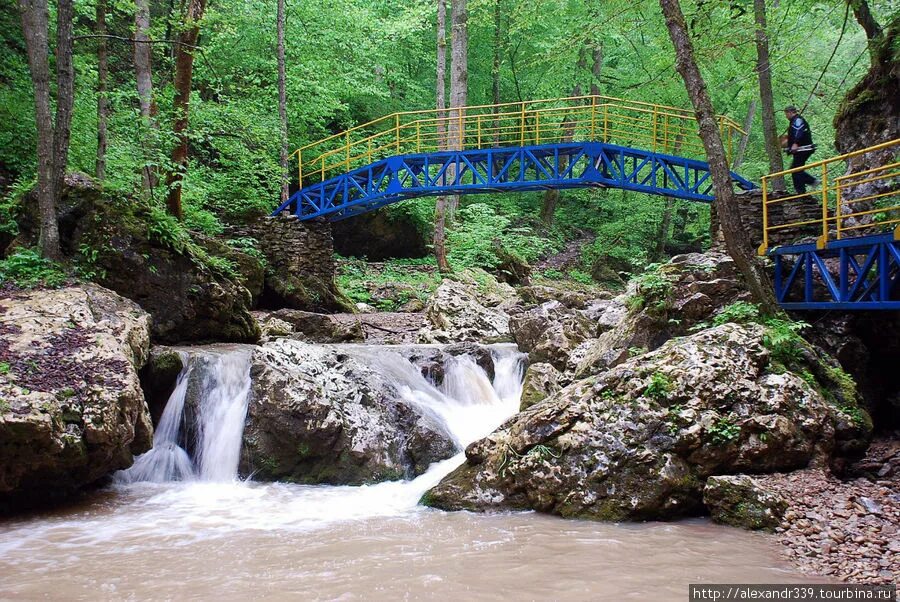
column 606, row 122
column 347, row 160
column 418, row 137
column 593, row 116
column 765, row 217
column 522, row 126
column 823, row 241
column 655, row 119
column 537, row 127
column 397, row 131
column 838, row 210
column 299, row 169
column 478, row 122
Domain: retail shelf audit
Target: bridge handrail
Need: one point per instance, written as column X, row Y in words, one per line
column 835, row 198
column 657, row 127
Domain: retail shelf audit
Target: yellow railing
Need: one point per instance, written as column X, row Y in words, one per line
column 596, row 118
column 854, row 204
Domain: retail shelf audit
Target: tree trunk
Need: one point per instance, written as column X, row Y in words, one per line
column 102, row 100
column 662, row 233
column 144, row 82
column 441, row 72
column 764, row 72
column 184, row 70
column 742, row 145
column 440, row 208
column 714, row 232
column 495, row 70
column 736, row 239
column 596, row 68
column 459, row 84
column 282, row 103
column 873, row 30
column 551, row 195
column 65, row 93
column 35, row 25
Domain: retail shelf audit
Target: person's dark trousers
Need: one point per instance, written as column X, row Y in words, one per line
column 801, row 178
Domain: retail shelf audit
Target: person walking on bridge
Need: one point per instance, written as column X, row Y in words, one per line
column 800, row 146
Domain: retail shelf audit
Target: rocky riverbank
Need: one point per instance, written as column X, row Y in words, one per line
column 848, row 529
column 671, row 399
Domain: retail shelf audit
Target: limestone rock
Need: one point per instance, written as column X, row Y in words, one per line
column 464, row 310
column 541, row 381
column 638, row 441
column 657, row 306
column 322, row 415
column 71, row 406
column 319, row 328
column 194, row 292
column 550, row 332
column 739, row 501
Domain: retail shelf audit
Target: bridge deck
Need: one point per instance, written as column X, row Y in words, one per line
column 848, row 253
column 527, row 168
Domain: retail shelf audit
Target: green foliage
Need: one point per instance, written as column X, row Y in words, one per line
column 659, row 388
column 724, row 431
column 26, row 268
column 652, row 290
column 11, row 205
column 739, row 312
column 358, row 279
column 472, row 241
column 782, row 338
column 248, row 246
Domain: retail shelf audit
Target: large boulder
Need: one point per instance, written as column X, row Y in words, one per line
column 740, row 501
column 550, row 332
column 314, row 327
column 468, row 308
column 639, row 441
column 323, row 415
column 195, row 288
column 662, row 303
column 541, row 381
column 71, row 406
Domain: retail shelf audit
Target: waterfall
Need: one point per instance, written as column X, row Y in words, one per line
column 167, row 461
column 222, row 396
column 214, row 387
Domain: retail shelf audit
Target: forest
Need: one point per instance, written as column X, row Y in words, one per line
column 357, row 61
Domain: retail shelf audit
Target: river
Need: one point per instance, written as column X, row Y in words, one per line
column 180, row 528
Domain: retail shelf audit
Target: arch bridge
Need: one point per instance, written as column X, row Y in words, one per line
column 585, row 141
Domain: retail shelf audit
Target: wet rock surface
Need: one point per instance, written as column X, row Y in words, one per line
column 71, row 406
column 321, row 414
column 847, row 529
column 639, row 441
column 740, row 501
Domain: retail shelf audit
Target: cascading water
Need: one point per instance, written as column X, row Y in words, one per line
column 167, row 461
column 467, row 403
column 224, row 384
column 210, row 536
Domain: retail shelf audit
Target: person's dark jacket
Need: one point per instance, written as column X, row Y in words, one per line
column 799, row 132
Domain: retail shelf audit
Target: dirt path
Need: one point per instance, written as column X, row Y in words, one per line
column 569, row 257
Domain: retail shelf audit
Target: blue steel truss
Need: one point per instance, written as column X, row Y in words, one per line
column 514, row 169
column 855, row 273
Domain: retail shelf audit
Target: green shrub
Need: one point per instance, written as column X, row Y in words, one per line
column 26, row 268
column 659, row 388
column 739, row 312
column 652, row 290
